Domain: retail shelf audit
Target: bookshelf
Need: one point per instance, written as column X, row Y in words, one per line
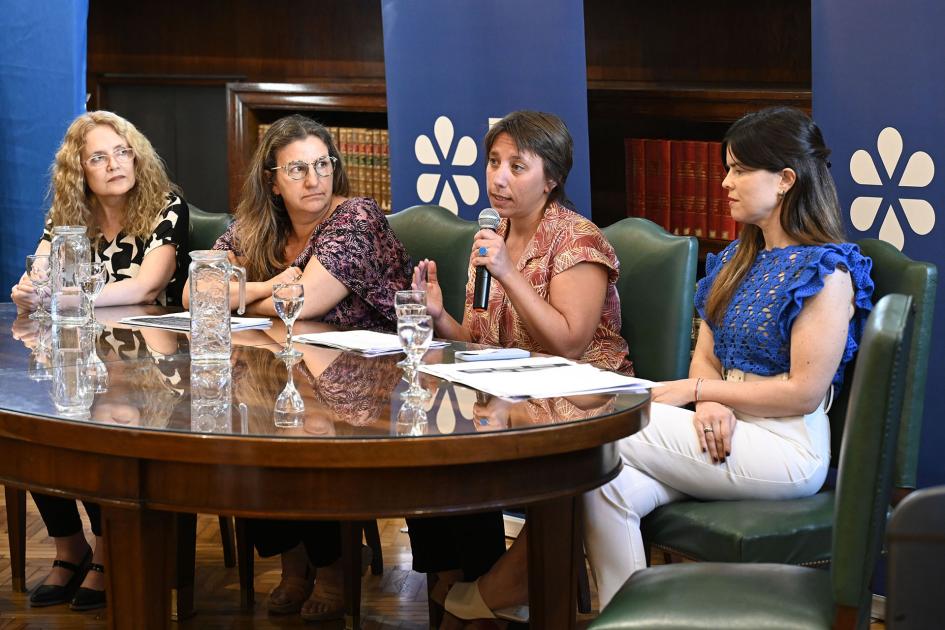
column 333, row 102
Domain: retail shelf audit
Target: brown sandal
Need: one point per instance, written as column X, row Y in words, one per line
column 328, row 596
column 287, row 598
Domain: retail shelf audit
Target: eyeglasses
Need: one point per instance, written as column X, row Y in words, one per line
column 324, row 166
column 122, row 156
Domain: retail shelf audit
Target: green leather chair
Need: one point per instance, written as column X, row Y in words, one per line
column 799, row 531
column 762, row 595
column 206, row 227
column 656, row 286
column 916, row 542
column 436, row 233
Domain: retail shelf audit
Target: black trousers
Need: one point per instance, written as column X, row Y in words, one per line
column 322, row 539
column 471, row 542
column 61, row 516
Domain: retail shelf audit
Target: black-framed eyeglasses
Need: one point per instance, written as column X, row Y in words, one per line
column 324, row 167
column 122, row 155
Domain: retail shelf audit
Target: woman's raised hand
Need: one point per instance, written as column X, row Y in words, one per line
column 424, row 279
column 489, row 250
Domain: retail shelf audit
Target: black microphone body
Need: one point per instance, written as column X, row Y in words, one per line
column 488, row 220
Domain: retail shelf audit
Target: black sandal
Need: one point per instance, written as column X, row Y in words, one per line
column 52, row 594
column 89, row 598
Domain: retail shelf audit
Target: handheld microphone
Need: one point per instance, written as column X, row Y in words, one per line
column 488, row 220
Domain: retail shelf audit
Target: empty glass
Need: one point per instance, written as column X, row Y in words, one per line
column 289, row 411
column 91, row 277
column 37, row 270
column 287, row 299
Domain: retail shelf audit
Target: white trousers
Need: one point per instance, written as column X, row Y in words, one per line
column 780, row 458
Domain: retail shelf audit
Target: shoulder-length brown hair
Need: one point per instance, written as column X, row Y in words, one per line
column 263, row 225
column 73, row 200
column 774, row 139
column 544, row 135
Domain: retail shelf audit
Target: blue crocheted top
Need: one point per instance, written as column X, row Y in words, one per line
column 755, row 333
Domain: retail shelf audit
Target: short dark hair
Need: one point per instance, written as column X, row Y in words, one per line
column 546, row 136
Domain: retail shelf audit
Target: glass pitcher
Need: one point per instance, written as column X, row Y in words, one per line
column 70, row 246
column 210, row 273
column 72, row 390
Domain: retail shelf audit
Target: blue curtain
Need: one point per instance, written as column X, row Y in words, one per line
column 42, row 88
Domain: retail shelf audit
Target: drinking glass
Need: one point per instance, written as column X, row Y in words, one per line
column 289, row 411
column 37, row 270
column 288, row 299
column 92, row 277
column 95, row 367
column 412, row 418
column 409, row 302
column 415, row 333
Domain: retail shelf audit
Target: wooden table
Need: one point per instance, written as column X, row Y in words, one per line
column 144, row 456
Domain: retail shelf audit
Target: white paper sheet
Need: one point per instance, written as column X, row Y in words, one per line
column 181, row 322
column 363, row 341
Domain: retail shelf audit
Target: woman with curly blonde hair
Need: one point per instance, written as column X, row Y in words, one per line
column 107, row 177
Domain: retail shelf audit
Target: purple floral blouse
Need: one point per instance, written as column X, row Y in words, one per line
column 358, row 247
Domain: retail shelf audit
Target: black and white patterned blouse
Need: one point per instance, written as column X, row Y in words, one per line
column 124, row 254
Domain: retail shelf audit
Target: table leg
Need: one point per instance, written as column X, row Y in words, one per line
column 351, row 567
column 139, row 563
column 552, row 560
column 16, row 533
column 186, row 560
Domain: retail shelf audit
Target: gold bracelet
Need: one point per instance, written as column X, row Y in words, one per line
column 698, row 385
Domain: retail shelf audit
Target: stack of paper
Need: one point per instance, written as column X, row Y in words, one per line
column 363, row 341
column 535, row 377
column 181, row 321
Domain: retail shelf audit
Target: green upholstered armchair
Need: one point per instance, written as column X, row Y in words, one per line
column 916, row 541
column 729, row 595
column 206, row 227
column 436, row 233
column 657, row 283
column 799, row 531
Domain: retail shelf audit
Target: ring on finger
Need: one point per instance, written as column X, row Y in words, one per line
column 708, row 429
column 483, row 251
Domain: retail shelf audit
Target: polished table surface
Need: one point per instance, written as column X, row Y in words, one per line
column 142, row 441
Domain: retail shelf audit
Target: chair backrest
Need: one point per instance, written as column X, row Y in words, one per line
column 206, row 227
column 435, row 233
column 864, row 481
column 894, row 272
column 656, row 286
column 916, row 564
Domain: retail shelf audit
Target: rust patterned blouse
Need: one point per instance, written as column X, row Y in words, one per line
column 563, row 239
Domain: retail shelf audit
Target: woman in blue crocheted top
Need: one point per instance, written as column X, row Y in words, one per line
column 783, row 308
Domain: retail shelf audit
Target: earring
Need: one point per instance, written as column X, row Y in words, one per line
column 781, row 193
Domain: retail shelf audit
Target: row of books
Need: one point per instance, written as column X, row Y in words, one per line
column 678, row 185
column 366, row 155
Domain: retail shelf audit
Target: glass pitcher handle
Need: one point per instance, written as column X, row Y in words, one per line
column 240, row 273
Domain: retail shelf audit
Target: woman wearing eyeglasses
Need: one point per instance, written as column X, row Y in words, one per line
column 108, row 178
column 294, row 222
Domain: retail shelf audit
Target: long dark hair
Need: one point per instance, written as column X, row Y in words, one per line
column 263, row 223
column 774, row 139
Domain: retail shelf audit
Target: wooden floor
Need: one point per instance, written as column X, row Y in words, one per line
column 396, row 599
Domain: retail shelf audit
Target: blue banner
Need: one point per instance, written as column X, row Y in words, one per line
column 454, row 66
column 878, row 96
column 42, row 88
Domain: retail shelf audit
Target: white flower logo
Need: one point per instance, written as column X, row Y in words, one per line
column 918, row 173
column 464, row 155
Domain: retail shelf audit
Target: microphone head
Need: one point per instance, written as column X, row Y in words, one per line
column 489, row 218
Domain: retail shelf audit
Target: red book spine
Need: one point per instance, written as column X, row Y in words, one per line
column 700, row 201
column 718, row 200
column 685, row 218
column 657, row 181
column 636, row 177
column 677, row 191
